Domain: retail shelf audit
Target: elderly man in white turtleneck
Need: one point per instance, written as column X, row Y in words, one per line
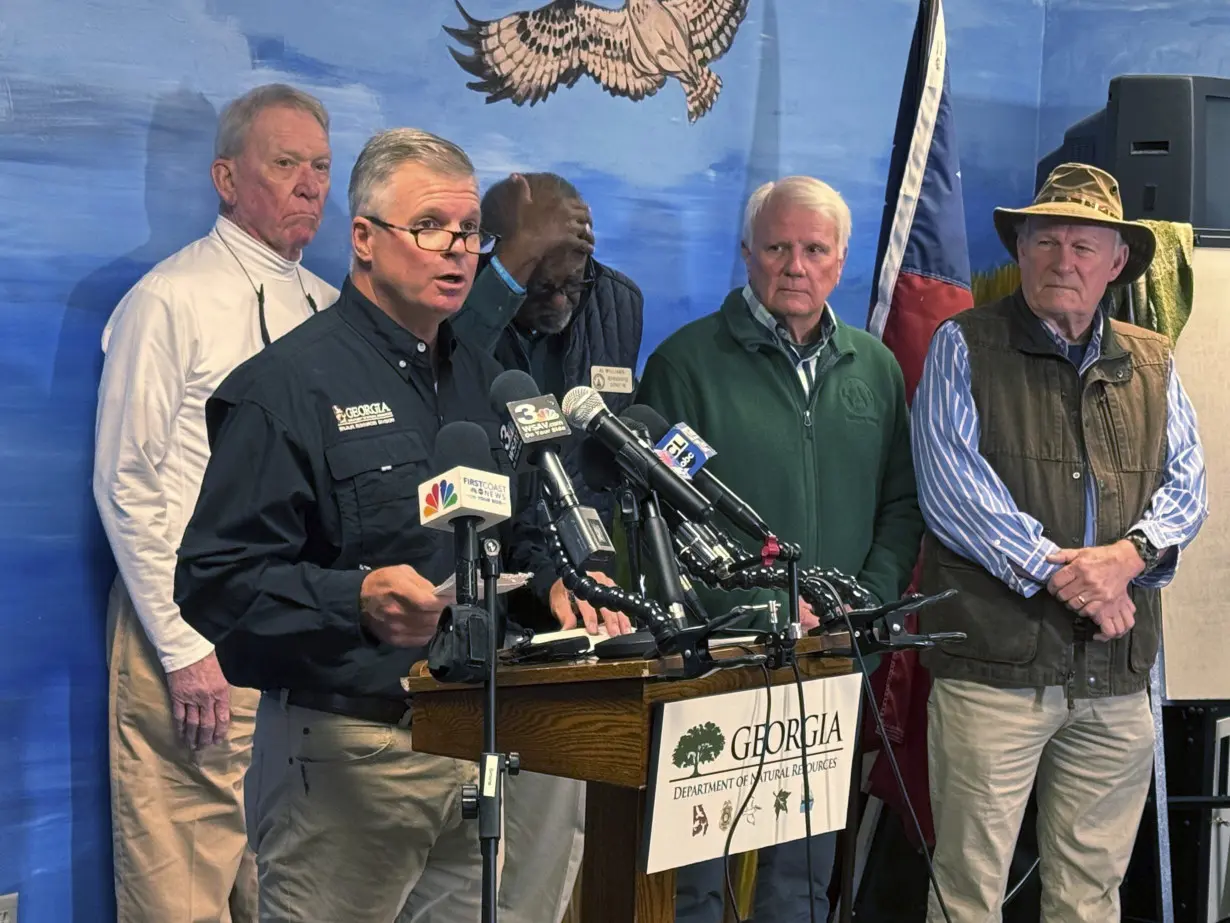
column 180, row 736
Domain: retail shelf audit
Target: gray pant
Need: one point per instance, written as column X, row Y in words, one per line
column 544, row 835
column 350, row 824
column 781, row 885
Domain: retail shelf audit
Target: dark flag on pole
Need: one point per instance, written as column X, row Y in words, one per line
column 922, row 278
column 922, row 270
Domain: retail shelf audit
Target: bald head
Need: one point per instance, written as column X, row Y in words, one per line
column 500, row 202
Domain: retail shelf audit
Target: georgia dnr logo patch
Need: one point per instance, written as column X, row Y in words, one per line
column 362, row 415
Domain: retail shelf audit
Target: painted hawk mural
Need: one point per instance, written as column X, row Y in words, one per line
column 629, row 51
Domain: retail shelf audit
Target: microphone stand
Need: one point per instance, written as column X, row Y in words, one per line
column 485, row 801
column 630, row 514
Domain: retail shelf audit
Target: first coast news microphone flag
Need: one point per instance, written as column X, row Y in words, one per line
column 922, row 277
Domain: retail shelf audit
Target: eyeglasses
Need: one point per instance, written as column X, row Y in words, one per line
column 544, row 291
column 441, row 240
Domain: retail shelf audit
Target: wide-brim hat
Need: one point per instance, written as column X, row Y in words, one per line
column 1088, row 195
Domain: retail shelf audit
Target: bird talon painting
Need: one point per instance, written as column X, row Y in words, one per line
column 629, row 51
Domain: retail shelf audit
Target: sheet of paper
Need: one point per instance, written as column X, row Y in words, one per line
column 544, row 637
column 507, row 583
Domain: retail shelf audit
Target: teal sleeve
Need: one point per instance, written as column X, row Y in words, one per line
column 490, row 308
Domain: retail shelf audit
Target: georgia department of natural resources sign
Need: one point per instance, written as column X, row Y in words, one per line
column 707, row 751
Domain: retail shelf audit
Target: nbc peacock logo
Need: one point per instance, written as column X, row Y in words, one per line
column 442, row 497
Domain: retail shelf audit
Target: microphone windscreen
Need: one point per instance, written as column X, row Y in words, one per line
column 581, row 405
column 511, row 385
column 462, row 443
column 599, row 469
column 650, row 419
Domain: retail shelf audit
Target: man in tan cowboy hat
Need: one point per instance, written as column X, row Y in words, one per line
column 1059, row 473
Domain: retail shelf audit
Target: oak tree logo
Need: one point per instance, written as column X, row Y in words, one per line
column 700, row 744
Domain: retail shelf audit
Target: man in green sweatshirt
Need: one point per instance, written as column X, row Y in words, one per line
column 809, row 420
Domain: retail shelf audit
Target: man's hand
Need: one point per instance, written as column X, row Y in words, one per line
column 1093, row 576
column 399, row 606
column 807, row 615
column 541, row 226
column 1115, row 618
column 200, row 702
column 566, row 607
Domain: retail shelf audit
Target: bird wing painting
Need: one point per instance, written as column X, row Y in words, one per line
column 630, row 51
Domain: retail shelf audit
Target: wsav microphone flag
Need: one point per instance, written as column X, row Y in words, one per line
column 922, row 263
column 922, row 275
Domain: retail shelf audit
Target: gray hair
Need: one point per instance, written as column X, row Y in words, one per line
column 807, row 191
column 389, row 150
column 239, row 114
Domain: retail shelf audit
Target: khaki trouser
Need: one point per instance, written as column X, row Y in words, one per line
column 544, row 836
column 351, row 825
column 176, row 814
column 1093, row 765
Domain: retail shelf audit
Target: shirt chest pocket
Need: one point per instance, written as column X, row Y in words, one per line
column 376, row 481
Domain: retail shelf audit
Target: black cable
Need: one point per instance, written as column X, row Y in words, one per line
column 644, row 611
column 892, row 762
column 811, row 881
column 730, row 835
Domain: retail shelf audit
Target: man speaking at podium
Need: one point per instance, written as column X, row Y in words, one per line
column 306, row 563
column 809, row 421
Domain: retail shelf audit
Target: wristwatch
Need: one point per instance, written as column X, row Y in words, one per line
column 1149, row 553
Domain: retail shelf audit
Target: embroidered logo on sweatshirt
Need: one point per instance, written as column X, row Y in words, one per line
column 858, row 399
column 362, row 415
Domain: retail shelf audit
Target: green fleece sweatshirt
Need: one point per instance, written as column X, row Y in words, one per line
column 831, row 471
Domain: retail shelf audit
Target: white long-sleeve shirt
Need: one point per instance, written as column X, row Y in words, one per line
column 170, row 342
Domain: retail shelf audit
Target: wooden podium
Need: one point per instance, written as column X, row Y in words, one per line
column 593, row 721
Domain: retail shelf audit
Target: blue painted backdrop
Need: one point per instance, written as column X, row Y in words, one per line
column 107, row 114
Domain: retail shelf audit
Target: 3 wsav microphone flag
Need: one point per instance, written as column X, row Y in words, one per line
column 532, row 420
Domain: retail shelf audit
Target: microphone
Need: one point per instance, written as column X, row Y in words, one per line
column 586, row 410
column 675, row 587
column 530, row 433
column 466, row 498
column 529, row 418
column 727, row 502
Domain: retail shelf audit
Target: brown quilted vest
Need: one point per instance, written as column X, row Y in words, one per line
column 1044, row 430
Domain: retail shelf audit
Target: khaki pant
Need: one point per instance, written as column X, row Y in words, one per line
column 544, row 836
column 1093, row 765
column 176, row 814
column 351, row 825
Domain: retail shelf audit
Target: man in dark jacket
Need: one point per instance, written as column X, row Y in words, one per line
column 809, row 421
column 549, row 308
column 565, row 319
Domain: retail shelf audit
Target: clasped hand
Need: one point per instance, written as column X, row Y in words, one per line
column 1093, row 582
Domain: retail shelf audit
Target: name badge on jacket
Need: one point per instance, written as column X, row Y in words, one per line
column 611, row 379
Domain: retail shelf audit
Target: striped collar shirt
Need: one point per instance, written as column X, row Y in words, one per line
column 805, row 356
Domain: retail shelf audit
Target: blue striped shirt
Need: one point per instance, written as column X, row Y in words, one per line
column 968, row 507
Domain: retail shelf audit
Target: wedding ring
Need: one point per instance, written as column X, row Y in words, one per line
column 1081, row 599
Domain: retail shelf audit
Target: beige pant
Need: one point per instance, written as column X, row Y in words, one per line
column 1093, row 765
column 176, row 814
column 544, row 835
column 350, row 824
